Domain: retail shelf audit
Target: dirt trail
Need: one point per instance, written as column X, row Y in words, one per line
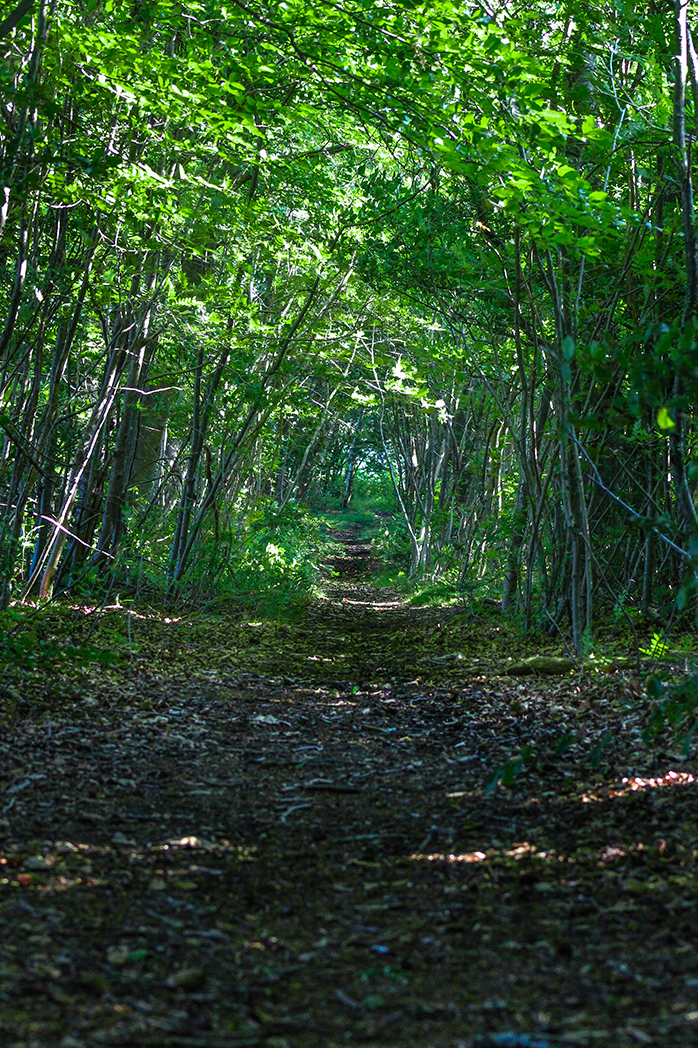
column 279, row 835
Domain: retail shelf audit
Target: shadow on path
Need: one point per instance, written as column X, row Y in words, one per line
column 278, row 835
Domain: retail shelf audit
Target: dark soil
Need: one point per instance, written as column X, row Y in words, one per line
column 250, row 833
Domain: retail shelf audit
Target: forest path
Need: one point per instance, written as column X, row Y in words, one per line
column 254, row 834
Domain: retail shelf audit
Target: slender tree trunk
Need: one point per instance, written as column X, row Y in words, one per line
column 353, row 462
column 139, row 348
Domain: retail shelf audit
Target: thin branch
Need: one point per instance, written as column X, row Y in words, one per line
column 596, row 478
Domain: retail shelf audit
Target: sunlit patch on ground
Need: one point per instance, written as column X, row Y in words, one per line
column 638, row 784
column 476, row 856
column 671, row 778
column 517, row 852
column 93, row 609
column 612, row 852
column 376, row 605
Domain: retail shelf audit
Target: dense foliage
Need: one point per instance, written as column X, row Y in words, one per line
column 251, row 252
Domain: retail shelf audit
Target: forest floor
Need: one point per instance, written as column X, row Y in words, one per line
column 251, row 833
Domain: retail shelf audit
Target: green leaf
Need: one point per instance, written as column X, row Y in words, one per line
column 664, row 419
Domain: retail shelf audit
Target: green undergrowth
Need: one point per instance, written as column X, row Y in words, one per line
column 361, row 520
column 29, row 645
column 277, row 568
column 373, row 510
column 368, row 524
column 268, row 563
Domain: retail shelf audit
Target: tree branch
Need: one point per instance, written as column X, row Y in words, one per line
column 13, row 20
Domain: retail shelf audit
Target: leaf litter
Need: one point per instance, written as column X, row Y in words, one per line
column 336, row 832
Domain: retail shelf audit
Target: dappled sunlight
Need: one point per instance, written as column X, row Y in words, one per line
column 638, row 784
column 612, row 852
column 67, row 865
column 377, row 605
column 191, row 841
column 297, row 798
column 98, row 609
column 467, row 857
column 50, row 871
column 524, row 850
column 348, row 343
column 62, row 884
column 601, row 856
column 671, row 778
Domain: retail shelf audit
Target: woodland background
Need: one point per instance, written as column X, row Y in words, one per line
column 255, row 254
column 348, row 537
